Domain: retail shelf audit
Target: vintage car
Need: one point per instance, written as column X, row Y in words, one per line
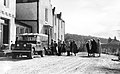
column 29, row 44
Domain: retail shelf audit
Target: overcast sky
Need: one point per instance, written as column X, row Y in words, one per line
column 90, row 17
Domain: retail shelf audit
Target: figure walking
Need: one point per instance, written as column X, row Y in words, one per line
column 74, row 48
column 88, row 46
column 59, row 48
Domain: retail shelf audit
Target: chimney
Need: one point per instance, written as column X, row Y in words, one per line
column 53, row 10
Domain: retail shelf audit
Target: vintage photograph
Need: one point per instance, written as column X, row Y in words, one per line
column 59, row 36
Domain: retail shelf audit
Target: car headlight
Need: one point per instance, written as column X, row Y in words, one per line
column 18, row 45
column 24, row 45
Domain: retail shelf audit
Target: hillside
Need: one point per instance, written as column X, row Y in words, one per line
column 81, row 38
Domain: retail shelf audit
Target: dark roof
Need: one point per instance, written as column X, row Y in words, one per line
column 115, row 42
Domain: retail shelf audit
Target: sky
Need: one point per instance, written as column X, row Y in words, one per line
column 99, row 18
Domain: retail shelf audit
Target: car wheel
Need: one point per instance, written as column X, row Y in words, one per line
column 31, row 54
column 14, row 56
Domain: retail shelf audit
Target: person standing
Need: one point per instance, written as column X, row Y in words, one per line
column 93, row 47
column 63, row 47
column 74, row 48
column 88, row 47
column 54, row 48
column 71, row 46
column 59, row 48
column 99, row 47
column 68, row 48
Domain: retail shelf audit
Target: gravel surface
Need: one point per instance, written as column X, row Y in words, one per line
column 80, row 64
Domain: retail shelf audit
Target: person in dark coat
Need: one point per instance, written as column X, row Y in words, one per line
column 54, row 48
column 63, row 47
column 93, row 47
column 99, row 47
column 74, row 49
column 59, row 48
column 71, row 44
column 68, row 48
column 88, row 47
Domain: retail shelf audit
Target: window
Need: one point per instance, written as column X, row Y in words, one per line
column 46, row 14
column 6, row 3
column 46, row 31
column 26, row 30
column 55, row 20
column 25, row 1
column 55, row 36
column 21, row 30
column 61, row 24
column 17, row 30
column 61, row 37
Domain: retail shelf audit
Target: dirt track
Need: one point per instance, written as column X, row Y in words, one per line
column 80, row 64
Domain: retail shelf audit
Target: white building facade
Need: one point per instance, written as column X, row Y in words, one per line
column 7, row 22
column 58, row 26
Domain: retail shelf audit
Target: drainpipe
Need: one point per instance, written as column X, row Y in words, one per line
column 37, row 16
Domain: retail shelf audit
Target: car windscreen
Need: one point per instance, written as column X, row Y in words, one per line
column 27, row 38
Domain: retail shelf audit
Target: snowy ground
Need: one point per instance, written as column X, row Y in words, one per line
column 80, row 64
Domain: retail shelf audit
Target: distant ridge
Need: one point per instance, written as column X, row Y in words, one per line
column 82, row 38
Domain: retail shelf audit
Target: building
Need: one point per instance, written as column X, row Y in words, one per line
column 41, row 17
column 37, row 14
column 58, row 26
column 7, row 22
column 61, row 27
column 29, row 16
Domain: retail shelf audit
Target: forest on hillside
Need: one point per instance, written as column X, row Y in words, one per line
column 81, row 40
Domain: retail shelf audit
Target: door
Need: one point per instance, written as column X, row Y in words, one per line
column 1, row 35
column 6, row 32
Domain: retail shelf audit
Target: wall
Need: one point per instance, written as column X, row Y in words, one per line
column 63, row 30
column 55, row 28
column 45, row 4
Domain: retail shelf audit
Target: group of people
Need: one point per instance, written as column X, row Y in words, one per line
column 72, row 48
column 62, row 47
column 93, row 46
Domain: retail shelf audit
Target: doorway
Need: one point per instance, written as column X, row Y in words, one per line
column 6, row 32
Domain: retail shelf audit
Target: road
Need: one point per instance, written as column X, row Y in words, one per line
column 80, row 64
